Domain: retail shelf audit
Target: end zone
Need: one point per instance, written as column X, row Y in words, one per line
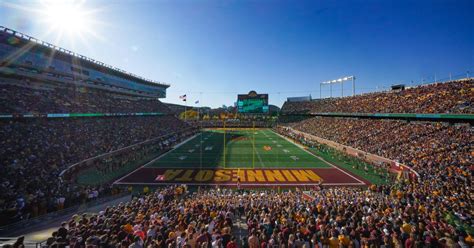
column 244, row 177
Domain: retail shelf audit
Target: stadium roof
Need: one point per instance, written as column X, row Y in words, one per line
column 62, row 50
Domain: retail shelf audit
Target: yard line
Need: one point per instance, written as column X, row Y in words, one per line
column 262, row 165
column 157, row 158
column 322, row 159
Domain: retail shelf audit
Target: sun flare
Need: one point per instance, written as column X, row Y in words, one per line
column 68, row 19
column 65, row 17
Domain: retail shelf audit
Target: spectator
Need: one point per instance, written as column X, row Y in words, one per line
column 335, row 217
column 29, row 97
column 448, row 97
column 39, row 149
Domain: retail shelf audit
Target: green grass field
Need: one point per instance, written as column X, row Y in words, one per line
column 245, row 148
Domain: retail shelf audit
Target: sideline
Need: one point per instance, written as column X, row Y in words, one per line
column 320, row 158
column 160, row 156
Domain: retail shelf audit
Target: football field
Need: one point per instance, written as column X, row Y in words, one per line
column 243, row 149
column 244, row 157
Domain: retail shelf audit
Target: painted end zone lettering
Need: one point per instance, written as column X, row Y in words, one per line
column 232, row 177
column 224, row 176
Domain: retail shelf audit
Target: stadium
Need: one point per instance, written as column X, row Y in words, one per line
column 95, row 156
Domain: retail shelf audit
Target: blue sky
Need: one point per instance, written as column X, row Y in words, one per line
column 214, row 50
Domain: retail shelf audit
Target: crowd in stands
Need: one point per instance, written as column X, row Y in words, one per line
column 22, row 98
column 419, row 145
column 433, row 211
column 35, row 151
column 441, row 154
column 386, row 216
column 109, row 164
column 449, row 97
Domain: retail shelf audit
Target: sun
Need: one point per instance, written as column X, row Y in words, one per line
column 68, row 23
column 68, row 19
column 65, row 16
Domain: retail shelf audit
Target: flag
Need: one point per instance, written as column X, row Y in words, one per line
column 183, row 97
column 196, row 102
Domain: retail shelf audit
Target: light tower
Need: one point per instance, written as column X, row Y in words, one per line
column 336, row 81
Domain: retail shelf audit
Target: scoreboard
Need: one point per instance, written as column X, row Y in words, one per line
column 252, row 103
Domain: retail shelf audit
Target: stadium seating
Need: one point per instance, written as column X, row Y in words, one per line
column 36, row 150
column 42, row 98
column 334, row 217
column 416, row 144
column 40, row 149
column 441, row 154
column 449, row 97
column 433, row 211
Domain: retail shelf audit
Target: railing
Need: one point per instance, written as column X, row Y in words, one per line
column 12, row 240
column 23, row 226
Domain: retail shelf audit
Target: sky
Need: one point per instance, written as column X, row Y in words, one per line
column 213, row 50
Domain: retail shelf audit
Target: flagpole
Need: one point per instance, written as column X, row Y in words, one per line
column 199, row 106
column 200, row 148
column 185, row 105
column 200, row 122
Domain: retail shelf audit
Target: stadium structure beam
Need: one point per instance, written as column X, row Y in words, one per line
column 336, row 81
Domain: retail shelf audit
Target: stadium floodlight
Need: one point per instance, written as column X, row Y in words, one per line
column 335, row 81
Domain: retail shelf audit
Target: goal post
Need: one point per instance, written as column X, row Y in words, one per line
column 253, row 144
column 224, row 144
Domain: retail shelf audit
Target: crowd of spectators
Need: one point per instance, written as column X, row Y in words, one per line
column 441, row 154
column 35, row 151
column 109, row 164
column 419, row 145
column 387, row 216
column 433, row 211
column 449, row 97
column 21, row 98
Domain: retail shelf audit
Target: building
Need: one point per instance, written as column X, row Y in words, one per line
column 23, row 57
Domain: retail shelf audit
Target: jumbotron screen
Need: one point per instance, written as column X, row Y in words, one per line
column 252, row 103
